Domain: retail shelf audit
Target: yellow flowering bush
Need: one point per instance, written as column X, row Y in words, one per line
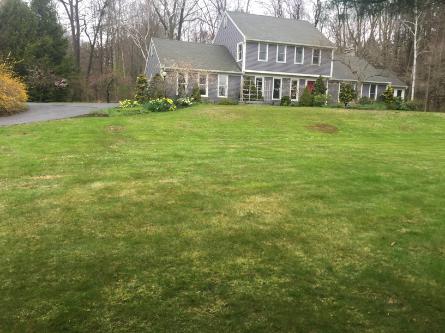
column 128, row 103
column 13, row 95
column 160, row 105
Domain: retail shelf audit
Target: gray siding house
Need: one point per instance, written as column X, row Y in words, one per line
column 279, row 56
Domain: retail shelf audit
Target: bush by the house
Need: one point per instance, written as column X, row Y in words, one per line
column 227, row 101
column 319, row 87
column 13, row 95
column 285, row 101
column 141, row 94
column 389, row 99
column 196, row 94
column 416, row 105
column 128, row 103
column 319, row 100
column 156, row 87
column 306, row 99
column 364, row 100
column 347, row 94
column 184, row 102
column 160, row 105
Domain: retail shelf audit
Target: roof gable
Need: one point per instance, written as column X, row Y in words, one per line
column 278, row 30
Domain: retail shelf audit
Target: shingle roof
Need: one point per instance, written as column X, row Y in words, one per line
column 349, row 67
column 279, row 30
column 209, row 57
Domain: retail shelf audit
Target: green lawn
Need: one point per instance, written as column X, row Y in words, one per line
column 224, row 219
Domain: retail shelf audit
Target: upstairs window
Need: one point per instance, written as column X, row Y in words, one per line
column 263, row 52
column 223, row 85
column 225, row 21
column 299, row 54
column 203, row 85
column 239, row 51
column 281, row 53
column 316, row 56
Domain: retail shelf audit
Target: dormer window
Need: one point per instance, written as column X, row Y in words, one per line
column 239, row 51
column 281, row 53
column 299, row 55
column 316, row 57
column 263, row 51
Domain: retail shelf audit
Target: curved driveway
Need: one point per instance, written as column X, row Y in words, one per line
column 51, row 111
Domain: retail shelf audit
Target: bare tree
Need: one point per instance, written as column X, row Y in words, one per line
column 72, row 10
column 174, row 14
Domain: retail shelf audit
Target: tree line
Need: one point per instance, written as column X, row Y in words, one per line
column 94, row 50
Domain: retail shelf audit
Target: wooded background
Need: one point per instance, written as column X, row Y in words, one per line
column 92, row 50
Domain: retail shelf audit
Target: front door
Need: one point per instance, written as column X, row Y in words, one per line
column 310, row 85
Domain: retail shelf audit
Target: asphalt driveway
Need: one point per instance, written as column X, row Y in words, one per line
column 51, row 111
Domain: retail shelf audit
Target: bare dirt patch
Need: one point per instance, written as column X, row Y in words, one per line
column 324, row 128
column 113, row 128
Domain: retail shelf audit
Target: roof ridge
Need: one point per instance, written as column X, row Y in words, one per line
column 272, row 17
column 184, row 41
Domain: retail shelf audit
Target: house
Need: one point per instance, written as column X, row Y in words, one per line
column 276, row 57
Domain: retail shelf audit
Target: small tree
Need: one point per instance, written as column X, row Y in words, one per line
column 347, row 93
column 388, row 95
column 141, row 94
column 196, row 94
column 319, row 87
column 156, row 87
column 306, row 99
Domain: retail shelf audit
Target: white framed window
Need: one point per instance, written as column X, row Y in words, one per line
column 259, row 85
column 223, row 85
column 281, row 53
column 239, row 51
column 299, row 55
column 181, row 84
column 263, row 52
column 203, row 84
column 294, row 89
column 316, row 56
column 372, row 91
column 276, row 93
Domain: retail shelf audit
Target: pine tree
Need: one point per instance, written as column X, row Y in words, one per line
column 141, row 94
column 347, row 93
column 319, row 87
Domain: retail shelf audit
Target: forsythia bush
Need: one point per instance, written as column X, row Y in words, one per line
column 128, row 103
column 160, row 105
column 13, row 95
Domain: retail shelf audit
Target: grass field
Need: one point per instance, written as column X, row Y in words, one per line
column 224, row 219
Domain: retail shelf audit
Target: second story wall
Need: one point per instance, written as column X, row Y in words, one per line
column 229, row 36
column 271, row 65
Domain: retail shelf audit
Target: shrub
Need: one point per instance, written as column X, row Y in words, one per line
column 13, row 95
column 227, row 101
column 364, row 100
column 156, row 87
column 319, row 87
column 347, row 94
column 319, row 100
column 306, row 99
column 285, row 101
column 184, row 102
column 141, row 94
column 160, row 105
column 128, row 103
column 196, row 94
column 415, row 105
column 388, row 97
